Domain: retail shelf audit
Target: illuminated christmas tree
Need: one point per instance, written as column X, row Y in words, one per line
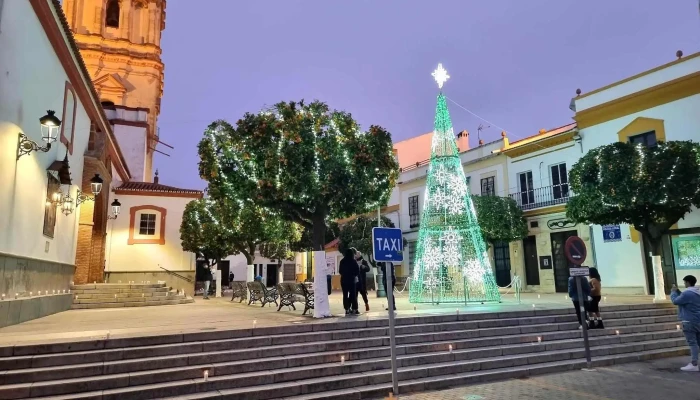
column 451, row 263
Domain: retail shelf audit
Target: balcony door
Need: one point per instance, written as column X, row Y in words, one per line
column 560, row 182
column 527, row 190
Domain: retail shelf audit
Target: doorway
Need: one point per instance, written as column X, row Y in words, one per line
column 289, row 273
column 225, row 267
column 271, row 275
column 501, row 259
column 532, row 269
column 668, row 267
column 561, row 264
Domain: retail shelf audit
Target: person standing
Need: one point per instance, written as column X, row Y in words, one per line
column 349, row 273
column 362, row 282
column 688, row 303
column 207, row 281
column 593, row 309
column 230, row 279
column 573, row 294
column 388, row 268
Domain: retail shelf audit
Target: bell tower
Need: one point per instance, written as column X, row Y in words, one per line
column 119, row 41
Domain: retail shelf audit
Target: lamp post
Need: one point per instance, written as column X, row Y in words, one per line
column 116, row 207
column 49, row 133
column 95, row 188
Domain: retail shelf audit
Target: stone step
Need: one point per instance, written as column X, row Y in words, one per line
column 146, row 303
column 250, row 347
column 263, row 336
column 160, row 293
column 160, row 368
column 469, row 378
column 99, row 286
column 116, row 291
column 127, row 299
column 305, row 380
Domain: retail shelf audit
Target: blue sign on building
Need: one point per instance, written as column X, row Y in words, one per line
column 611, row 233
column 387, row 244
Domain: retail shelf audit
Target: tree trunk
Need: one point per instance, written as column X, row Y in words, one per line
column 248, row 257
column 319, row 231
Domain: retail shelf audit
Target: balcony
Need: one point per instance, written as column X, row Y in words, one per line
column 542, row 197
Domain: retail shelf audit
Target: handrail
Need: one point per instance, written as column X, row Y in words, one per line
column 176, row 274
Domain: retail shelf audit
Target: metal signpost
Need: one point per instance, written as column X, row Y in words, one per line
column 575, row 252
column 387, row 246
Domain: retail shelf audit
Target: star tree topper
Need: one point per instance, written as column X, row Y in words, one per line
column 440, row 75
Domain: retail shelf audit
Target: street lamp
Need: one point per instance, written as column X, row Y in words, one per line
column 95, row 188
column 67, row 204
column 49, row 133
column 116, row 207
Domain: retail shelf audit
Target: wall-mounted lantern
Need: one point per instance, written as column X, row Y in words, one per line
column 95, row 188
column 49, row 133
column 67, row 204
column 116, row 207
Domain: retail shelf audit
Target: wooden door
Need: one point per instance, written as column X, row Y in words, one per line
column 532, row 268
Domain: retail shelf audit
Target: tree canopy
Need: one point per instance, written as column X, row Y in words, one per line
column 231, row 227
column 203, row 231
column 308, row 163
column 500, row 219
column 358, row 234
column 282, row 247
column 650, row 189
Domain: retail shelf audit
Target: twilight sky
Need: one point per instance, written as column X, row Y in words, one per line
column 515, row 63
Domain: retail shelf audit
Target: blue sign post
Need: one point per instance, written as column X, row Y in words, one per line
column 387, row 244
column 612, row 233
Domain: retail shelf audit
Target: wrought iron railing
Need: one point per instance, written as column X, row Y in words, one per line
column 414, row 220
column 542, row 197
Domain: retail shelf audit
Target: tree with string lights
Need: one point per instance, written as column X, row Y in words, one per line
column 307, row 162
column 650, row 189
column 214, row 230
column 500, row 219
column 451, row 263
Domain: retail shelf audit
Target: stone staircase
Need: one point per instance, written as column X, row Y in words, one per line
column 303, row 361
column 112, row 295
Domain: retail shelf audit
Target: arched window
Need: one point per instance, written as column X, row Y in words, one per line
column 112, row 18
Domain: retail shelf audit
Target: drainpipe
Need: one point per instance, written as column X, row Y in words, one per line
column 590, row 233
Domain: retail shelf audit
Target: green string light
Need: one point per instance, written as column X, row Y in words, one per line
column 451, row 264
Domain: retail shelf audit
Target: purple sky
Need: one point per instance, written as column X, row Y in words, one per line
column 515, row 63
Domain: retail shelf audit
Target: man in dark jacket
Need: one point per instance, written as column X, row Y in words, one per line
column 349, row 277
column 206, row 275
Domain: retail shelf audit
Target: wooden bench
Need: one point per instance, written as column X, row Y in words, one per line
column 308, row 298
column 259, row 293
column 289, row 293
column 239, row 290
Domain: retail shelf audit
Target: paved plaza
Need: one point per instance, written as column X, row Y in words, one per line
column 658, row 379
column 222, row 314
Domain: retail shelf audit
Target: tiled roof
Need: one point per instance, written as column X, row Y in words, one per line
column 155, row 187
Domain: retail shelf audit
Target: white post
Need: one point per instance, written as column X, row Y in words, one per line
column 250, row 270
column 322, row 307
column 280, row 273
column 218, row 283
column 659, row 287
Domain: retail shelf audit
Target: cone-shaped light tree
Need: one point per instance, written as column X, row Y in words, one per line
column 451, row 263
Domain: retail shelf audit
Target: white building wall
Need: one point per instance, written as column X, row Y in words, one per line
column 132, row 141
column 681, row 122
column 31, row 83
column 138, row 258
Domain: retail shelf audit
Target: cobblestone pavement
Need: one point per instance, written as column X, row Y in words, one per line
column 658, row 379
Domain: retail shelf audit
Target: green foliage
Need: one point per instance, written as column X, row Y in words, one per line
column 500, row 219
column 305, row 161
column 305, row 243
column 358, row 234
column 281, row 247
column 216, row 229
column 650, row 189
column 202, row 231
